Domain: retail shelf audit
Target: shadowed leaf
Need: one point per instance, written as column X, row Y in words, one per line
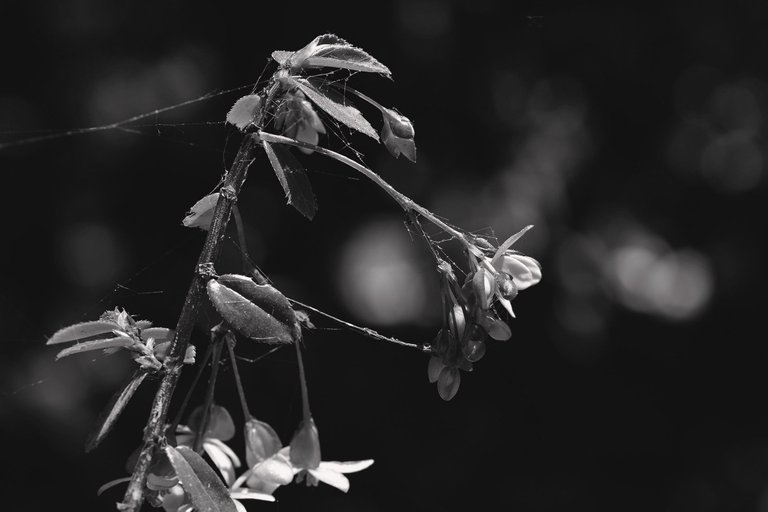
column 113, row 410
column 82, row 331
column 258, row 312
column 346, row 114
column 293, row 179
column 205, row 489
column 87, row 346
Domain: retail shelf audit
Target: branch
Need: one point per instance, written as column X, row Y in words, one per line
column 154, row 429
column 406, row 203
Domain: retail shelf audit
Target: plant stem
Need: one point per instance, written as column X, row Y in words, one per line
column 217, row 341
column 406, row 203
column 247, row 267
column 303, row 380
column 192, row 386
column 230, row 341
column 365, row 331
column 153, row 431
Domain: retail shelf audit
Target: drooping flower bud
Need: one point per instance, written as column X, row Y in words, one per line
column 473, row 348
column 305, row 446
column 397, row 134
column 261, row 441
column 448, row 383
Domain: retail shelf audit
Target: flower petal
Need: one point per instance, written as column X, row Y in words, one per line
column 525, row 270
column 226, row 449
column 221, row 460
column 331, row 478
column 507, row 305
column 346, row 467
column 274, row 470
column 244, row 494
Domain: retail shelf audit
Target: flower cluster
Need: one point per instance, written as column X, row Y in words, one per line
column 469, row 315
column 270, row 464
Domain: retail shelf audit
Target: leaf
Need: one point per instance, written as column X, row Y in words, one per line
column 293, row 179
column 254, row 311
column 329, row 50
column 345, row 57
column 87, row 346
column 205, row 489
column 113, row 410
column 508, row 243
column 282, row 56
column 201, row 213
column 81, row 331
column 346, row 114
column 244, row 111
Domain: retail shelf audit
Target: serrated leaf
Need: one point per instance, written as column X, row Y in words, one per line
column 113, row 410
column 344, row 57
column 82, row 331
column 281, row 56
column 205, row 489
column 346, row 114
column 244, row 111
column 293, row 178
column 87, row 346
column 201, row 213
column 247, row 318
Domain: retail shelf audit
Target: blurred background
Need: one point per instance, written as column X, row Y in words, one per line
column 633, row 138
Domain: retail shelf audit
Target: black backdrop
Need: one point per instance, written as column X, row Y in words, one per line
column 621, row 132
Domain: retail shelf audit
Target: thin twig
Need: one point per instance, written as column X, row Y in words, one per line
column 365, row 331
column 217, row 340
column 404, row 201
column 191, row 389
column 230, row 341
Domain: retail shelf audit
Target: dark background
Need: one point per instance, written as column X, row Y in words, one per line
column 634, row 138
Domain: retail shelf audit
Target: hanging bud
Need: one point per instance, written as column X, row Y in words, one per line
column 496, row 328
column 474, row 350
column 305, row 446
column 448, row 383
column 397, row 134
column 261, row 441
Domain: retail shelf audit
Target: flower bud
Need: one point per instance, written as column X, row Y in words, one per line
column 261, row 441
column 305, row 446
column 448, row 383
column 473, row 349
column 397, row 134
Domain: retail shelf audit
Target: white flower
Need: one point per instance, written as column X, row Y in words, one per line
column 277, row 470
